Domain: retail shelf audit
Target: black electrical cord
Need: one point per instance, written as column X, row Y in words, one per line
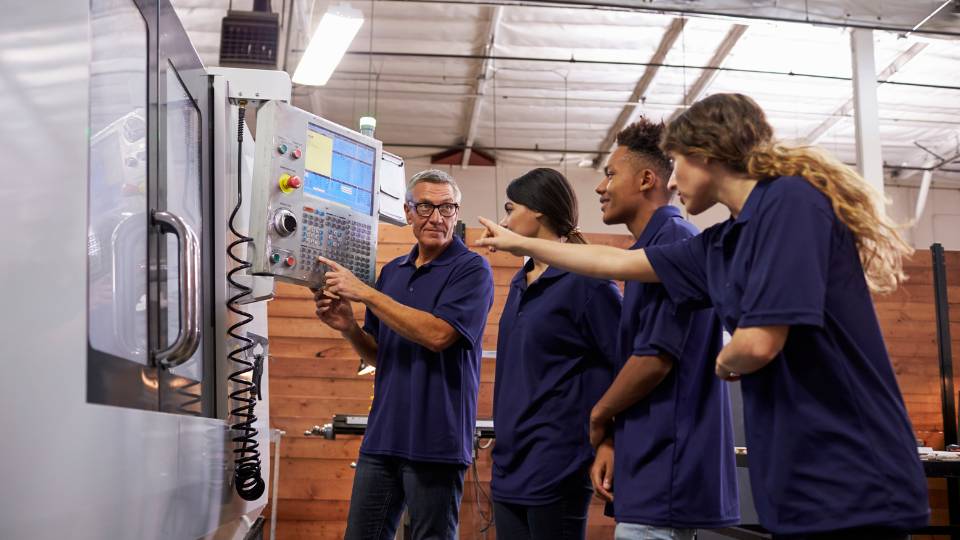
column 247, row 475
column 486, row 518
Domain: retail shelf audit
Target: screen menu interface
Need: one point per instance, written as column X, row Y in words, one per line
column 339, row 170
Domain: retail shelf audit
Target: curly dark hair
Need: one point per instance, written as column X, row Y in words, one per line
column 642, row 138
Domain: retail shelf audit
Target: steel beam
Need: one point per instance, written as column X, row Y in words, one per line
column 708, row 75
column 866, row 108
column 629, row 112
column 483, row 77
column 847, row 108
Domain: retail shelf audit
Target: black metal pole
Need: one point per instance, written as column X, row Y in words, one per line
column 946, row 374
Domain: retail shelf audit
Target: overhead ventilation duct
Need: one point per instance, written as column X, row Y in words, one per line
column 250, row 38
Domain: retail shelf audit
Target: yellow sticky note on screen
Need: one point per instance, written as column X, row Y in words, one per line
column 319, row 153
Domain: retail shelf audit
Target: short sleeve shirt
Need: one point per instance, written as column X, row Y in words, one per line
column 830, row 443
column 674, row 464
column 425, row 402
column 556, row 352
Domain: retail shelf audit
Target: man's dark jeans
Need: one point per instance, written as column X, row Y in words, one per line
column 383, row 485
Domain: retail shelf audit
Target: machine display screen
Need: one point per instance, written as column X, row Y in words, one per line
column 339, row 170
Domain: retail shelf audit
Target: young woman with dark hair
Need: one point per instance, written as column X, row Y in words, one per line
column 555, row 357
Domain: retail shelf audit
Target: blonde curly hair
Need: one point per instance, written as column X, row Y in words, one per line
column 733, row 130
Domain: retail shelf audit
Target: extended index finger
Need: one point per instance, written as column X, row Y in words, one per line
column 490, row 226
column 489, row 231
column 331, row 263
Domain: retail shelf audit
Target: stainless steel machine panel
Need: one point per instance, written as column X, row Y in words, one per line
column 316, row 192
column 118, row 183
column 90, row 119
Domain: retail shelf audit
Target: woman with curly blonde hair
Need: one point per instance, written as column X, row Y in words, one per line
column 832, row 452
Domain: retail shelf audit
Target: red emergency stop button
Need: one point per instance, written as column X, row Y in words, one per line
column 290, row 261
column 296, row 154
column 289, row 183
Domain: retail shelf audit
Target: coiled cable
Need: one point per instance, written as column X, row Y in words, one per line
column 247, row 475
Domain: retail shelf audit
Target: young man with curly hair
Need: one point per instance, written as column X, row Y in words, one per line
column 663, row 427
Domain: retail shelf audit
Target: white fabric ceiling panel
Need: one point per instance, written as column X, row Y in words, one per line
column 422, row 100
column 926, row 104
column 414, row 113
column 585, row 35
column 791, row 47
column 938, row 64
column 698, row 41
column 785, row 93
column 671, row 85
column 437, row 68
column 898, row 141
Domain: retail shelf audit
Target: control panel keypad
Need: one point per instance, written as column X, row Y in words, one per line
column 338, row 238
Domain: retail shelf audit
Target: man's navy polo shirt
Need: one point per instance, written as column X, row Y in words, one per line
column 830, row 444
column 555, row 358
column 674, row 464
column 425, row 402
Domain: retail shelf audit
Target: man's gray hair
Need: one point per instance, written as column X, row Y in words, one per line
column 433, row 176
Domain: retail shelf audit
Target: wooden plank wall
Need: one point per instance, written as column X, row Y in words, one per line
column 313, row 376
column 908, row 321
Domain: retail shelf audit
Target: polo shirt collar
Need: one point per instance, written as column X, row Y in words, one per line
column 454, row 250
column 659, row 217
column 753, row 201
column 551, row 273
column 750, row 207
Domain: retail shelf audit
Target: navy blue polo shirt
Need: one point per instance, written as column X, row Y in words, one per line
column 674, row 464
column 425, row 402
column 555, row 358
column 830, row 444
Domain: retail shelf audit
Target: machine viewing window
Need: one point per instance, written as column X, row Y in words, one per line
column 339, row 170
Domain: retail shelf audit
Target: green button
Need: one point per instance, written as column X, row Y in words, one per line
column 282, row 149
column 275, row 258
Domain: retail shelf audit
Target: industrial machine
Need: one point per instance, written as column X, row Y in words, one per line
column 356, row 424
column 136, row 267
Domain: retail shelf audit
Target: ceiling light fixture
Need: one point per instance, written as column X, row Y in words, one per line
column 330, row 41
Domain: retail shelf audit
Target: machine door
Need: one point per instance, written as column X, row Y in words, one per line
column 185, row 320
column 146, row 239
column 119, row 368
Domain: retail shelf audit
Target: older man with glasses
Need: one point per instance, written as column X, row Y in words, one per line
column 423, row 330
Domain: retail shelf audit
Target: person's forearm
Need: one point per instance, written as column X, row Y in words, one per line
column 594, row 260
column 752, row 348
column 639, row 376
column 363, row 343
column 411, row 323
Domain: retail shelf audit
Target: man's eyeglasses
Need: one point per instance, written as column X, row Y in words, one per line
column 425, row 209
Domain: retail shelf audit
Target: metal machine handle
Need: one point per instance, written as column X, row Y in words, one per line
column 188, row 339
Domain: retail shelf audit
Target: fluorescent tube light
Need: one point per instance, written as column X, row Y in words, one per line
column 330, row 41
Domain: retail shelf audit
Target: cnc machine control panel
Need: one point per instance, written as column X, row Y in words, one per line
column 315, row 192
